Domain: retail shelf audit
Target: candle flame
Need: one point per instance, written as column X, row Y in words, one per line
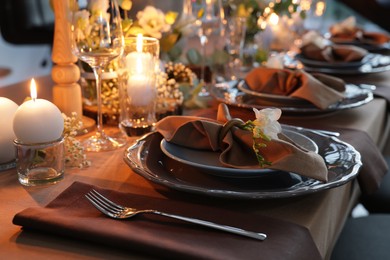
column 33, row 89
column 139, row 43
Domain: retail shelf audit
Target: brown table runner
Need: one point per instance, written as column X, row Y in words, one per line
column 374, row 165
column 71, row 215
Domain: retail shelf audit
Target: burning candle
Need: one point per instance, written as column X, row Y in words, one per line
column 37, row 120
column 140, row 84
column 7, row 111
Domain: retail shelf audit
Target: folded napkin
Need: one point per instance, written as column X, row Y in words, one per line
column 347, row 30
column 374, row 165
column 72, row 215
column 319, row 89
column 333, row 53
column 236, row 146
column 316, row 47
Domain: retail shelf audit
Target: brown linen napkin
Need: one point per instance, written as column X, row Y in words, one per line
column 236, row 149
column 374, row 165
column 347, row 31
column 72, row 215
column 319, row 89
column 333, row 53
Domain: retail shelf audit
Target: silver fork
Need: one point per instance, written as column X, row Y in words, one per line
column 116, row 211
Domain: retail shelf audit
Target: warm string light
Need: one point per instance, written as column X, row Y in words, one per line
column 273, row 18
column 320, row 8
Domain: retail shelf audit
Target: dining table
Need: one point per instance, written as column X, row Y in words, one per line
column 323, row 213
column 299, row 226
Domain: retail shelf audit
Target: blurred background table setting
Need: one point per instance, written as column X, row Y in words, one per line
column 270, row 116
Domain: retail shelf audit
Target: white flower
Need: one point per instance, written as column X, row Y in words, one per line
column 153, row 22
column 266, row 121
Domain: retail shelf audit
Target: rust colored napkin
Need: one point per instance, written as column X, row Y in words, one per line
column 236, row 147
column 319, row 89
column 72, row 215
column 347, row 31
column 333, row 53
column 372, row 38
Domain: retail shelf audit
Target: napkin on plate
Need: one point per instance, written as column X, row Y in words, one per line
column 315, row 47
column 347, row 31
column 319, row 89
column 236, row 147
column 72, row 215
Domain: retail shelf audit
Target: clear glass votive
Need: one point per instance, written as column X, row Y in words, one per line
column 139, row 66
column 40, row 163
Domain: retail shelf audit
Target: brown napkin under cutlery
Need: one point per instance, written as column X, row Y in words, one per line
column 319, row 89
column 236, row 147
column 72, row 215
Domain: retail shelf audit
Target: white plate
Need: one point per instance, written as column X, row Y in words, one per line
column 208, row 161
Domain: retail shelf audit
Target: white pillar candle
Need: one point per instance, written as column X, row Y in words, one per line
column 7, row 136
column 141, row 89
column 38, row 120
column 141, row 81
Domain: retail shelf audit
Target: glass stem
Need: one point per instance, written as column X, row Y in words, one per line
column 203, row 41
column 97, row 71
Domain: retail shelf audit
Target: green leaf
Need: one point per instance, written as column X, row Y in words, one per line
column 194, row 57
column 167, row 42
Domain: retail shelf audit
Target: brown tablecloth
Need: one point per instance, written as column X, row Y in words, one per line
column 71, row 215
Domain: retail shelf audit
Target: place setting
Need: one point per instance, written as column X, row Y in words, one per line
column 348, row 32
column 197, row 165
column 319, row 54
column 295, row 92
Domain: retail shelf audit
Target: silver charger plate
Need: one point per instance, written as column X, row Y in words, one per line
column 208, row 161
column 229, row 93
column 146, row 159
column 375, row 64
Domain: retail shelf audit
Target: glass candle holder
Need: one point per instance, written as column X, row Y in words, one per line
column 40, row 163
column 137, row 77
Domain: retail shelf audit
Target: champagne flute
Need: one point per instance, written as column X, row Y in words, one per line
column 97, row 39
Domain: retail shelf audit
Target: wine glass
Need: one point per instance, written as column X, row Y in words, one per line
column 97, row 39
column 209, row 23
column 235, row 40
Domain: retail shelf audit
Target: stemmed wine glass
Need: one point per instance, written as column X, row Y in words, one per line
column 209, row 22
column 97, row 39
